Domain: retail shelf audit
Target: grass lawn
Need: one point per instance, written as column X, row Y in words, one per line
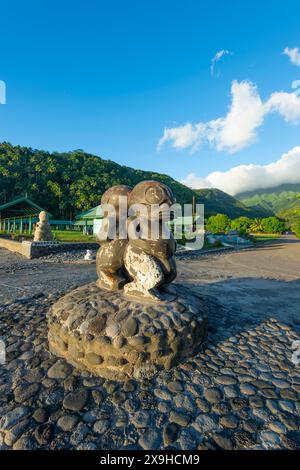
column 265, row 237
column 72, row 236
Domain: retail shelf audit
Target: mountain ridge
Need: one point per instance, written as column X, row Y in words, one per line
column 277, row 199
column 67, row 183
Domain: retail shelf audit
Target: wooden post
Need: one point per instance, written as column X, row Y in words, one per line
column 194, row 213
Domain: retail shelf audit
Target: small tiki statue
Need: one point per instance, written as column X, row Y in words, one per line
column 113, row 239
column 42, row 231
column 149, row 257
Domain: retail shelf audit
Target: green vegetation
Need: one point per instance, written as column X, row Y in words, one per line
column 221, row 223
column 292, row 216
column 218, row 223
column 272, row 225
column 296, row 229
column 256, row 226
column 72, row 236
column 261, row 238
column 217, row 201
column 274, row 200
column 72, row 182
column 242, row 224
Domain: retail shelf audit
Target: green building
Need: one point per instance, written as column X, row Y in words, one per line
column 90, row 220
column 19, row 215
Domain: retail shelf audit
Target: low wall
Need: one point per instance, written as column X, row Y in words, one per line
column 16, row 247
column 36, row 250
column 44, row 250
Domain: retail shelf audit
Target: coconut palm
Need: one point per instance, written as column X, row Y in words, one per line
column 256, row 226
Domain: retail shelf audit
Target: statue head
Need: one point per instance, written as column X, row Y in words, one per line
column 151, row 192
column 43, row 216
column 113, row 194
column 155, row 196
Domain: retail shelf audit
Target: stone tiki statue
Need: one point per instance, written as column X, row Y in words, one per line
column 110, row 256
column 131, row 322
column 149, row 259
column 143, row 266
column 42, row 232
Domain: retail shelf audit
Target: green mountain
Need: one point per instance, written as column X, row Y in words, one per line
column 71, row 182
column 278, row 200
column 216, row 201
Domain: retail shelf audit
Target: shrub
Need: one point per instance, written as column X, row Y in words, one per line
column 218, row 223
column 242, row 224
column 272, row 225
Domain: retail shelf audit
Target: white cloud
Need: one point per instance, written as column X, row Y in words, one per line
column 184, row 136
column 196, row 182
column 243, row 178
column 218, row 56
column 238, row 128
column 293, row 54
column 286, row 104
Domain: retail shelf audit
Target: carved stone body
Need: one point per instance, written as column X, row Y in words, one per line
column 110, row 256
column 42, row 232
column 149, row 259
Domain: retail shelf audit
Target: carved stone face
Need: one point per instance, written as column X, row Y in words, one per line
column 43, row 216
column 151, row 192
column 156, row 199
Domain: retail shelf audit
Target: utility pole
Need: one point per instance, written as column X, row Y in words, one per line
column 194, row 213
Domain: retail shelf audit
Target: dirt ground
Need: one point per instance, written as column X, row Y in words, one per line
column 254, row 283
column 241, row 392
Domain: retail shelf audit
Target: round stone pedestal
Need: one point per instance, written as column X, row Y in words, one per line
column 117, row 338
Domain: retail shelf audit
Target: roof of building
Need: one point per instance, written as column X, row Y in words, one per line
column 94, row 213
column 61, row 222
column 20, row 207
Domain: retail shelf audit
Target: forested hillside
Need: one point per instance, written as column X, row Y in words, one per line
column 71, row 182
column 217, row 201
column 278, row 200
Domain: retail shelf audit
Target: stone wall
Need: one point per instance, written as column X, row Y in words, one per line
column 39, row 250
column 16, row 247
column 35, row 250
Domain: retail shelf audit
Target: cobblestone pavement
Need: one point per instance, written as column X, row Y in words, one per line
column 242, row 392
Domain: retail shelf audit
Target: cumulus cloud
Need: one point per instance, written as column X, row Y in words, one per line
column 218, row 56
column 293, row 54
column 243, row 178
column 196, row 182
column 238, row 128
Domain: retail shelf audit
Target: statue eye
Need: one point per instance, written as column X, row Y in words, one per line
column 154, row 195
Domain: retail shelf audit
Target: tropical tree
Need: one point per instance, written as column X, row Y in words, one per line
column 256, row 226
column 296, row 229
column 272, row 225
column 242, row 224
column 218, row 223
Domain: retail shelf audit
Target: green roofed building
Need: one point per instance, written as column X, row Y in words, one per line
column 90, row 219
column 19, row 215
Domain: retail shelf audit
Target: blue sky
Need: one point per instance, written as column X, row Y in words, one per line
column 109, row 76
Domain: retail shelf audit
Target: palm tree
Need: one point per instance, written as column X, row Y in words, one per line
column 256, row 226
